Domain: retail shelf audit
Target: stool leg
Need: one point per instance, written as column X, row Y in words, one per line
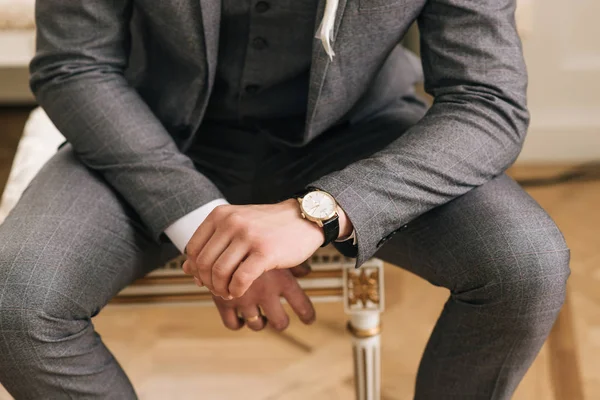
column 366, row 343
column 364, row 302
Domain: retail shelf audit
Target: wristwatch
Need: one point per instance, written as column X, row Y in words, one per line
column 321, row 208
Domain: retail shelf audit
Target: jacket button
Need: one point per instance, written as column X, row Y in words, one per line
column 388, row 237
column 259, row 43
column 262, row 7
column 252, row 89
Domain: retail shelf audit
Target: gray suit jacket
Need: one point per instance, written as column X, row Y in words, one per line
column 127, row 83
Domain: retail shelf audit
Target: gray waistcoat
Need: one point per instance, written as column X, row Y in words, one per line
column 264, row 61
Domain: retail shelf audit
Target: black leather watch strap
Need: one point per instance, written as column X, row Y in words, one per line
column 331, row 229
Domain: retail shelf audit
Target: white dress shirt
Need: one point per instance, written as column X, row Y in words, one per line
column 181, row 231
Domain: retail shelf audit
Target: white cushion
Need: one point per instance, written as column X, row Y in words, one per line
column 38, row 144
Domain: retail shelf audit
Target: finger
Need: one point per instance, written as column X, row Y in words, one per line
column 209, row 254
column 225, row 266
column 186, row 267
column 247, row 272
column 200, row 238
column 275, row 313
column 198, row 282
column 300, row 303
column 253, row 318
column 301, row 270
column 229, row 316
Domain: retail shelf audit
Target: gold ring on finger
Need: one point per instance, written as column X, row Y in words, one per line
column 253, row 319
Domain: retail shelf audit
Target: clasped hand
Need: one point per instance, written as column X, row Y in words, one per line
column 235, row 245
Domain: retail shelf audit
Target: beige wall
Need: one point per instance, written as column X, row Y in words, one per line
column 561, row 42
column 562, row 50
column 16, row 49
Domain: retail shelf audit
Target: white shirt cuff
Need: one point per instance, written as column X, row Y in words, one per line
column 181, row 231
column 351, row 237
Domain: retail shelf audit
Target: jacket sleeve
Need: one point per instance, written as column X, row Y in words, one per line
column 78, row 78
column 474, row 68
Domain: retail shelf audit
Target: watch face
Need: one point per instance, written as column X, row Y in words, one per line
column 319, row 205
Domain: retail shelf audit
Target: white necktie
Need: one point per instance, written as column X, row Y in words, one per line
column 325, row 31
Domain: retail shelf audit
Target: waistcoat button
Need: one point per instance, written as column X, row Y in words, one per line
column 262, row 7
column 252, row 89
column 259, row 43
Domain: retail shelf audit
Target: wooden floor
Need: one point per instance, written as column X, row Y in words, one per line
column 183, row 352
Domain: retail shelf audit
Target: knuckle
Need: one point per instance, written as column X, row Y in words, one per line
column 219, row 211
column 220, row 271
column 217, row 292
column 202, row 265
column 244, row 232
column 236, row 290
column 235, row 220
column 264, row 250
column 241, row 278
column 192, row 251
column 205, row 278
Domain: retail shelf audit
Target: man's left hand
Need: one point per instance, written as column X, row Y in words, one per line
column 264, row 296
column 237, row 244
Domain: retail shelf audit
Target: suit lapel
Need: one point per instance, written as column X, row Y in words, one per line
column 320, row 63
column 211, row 18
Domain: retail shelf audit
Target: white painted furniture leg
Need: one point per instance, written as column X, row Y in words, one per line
column 364, row 302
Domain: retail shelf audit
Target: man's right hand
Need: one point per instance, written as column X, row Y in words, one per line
column 265, row 293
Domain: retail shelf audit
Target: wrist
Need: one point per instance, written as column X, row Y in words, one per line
column 308, row 227
column 345, row 224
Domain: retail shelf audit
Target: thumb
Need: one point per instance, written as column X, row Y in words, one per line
column 301, row 270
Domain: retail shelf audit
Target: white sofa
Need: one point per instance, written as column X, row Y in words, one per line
column 38, row 143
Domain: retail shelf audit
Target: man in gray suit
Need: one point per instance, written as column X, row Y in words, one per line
column 198, row 124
